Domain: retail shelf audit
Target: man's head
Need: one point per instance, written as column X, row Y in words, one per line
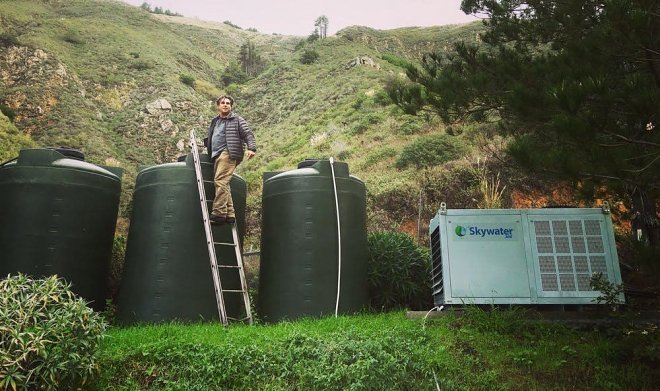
column 225, row 103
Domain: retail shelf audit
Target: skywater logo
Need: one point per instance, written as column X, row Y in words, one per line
column 484, row 231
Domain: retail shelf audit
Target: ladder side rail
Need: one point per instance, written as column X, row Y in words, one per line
column 241, row 269
column 217, row 285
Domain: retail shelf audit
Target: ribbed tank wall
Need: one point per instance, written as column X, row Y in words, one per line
column 58, row 216
column 167, row 274
column 299, row 243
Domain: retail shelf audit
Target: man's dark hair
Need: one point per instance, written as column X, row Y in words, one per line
column 225, row 97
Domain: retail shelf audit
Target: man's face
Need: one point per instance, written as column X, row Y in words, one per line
column 224, row 107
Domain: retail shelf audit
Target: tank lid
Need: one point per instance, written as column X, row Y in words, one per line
column 53, row 158
column 69, row 152
column 318, row 167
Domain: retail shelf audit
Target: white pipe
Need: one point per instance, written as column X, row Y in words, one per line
column 334, row 184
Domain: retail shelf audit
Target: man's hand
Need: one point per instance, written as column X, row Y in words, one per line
column 250, row 154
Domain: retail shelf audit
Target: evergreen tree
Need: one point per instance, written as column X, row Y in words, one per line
column 321, row 24
column 250, row 60
column 576, row 83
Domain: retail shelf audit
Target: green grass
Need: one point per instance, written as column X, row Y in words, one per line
column 480, row 350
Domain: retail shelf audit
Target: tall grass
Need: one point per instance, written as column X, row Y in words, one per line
column 478, row 350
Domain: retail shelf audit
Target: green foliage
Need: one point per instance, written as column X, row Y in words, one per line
column 229, row 23
column 8, row 39
column 314, row 36
column 462, row 350
column 8, row 112
column 250, row 59
column 570, row 80
column 186, row 79
column 358, row 353
column 73, row 37
column 309, row 56
column 611, row 293
column 234, row 74
column 48, row 337
column 141, row 65
column 11, row 140
column 399, row 272
column 395, row 60
column 431, row 150
column 411, row 126
column 379, row 155
column 208, row 89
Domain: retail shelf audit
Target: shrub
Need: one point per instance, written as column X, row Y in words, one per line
column 206, row 88
column 141, row 65
column 73, row 38
column 8, row 39
column 48, row 337
column 309, row 56
column 431, row 151
column 379, row 155
column 8, row 112
column 234, row 74
column 395, row 60
column 187, row 79
column 229, row 23
column 399, row 272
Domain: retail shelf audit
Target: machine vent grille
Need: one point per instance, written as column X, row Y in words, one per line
column 569, row 251
column 436, row 264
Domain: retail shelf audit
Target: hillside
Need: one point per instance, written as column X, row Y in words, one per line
column 93, row 75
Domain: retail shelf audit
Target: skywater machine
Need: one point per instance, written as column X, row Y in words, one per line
column 521, row 256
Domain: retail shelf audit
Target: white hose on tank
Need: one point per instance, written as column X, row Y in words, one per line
column 334, row 185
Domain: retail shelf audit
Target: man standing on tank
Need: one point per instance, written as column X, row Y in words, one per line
column 227, row 134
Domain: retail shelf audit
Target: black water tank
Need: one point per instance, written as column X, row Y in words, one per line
column 167, row 274
column 299, row 243
column 58, row 216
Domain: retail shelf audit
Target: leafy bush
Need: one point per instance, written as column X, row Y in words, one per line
column 229, row 23
column 309, row 56
column 48, row 337
column 378, row 155
column 8, row 112
column 234, row 74
column 187, row 79
column 395, row 60
column 431, row 150
column 206, row 88
column 73, row 38
column 142, row 65
column 399, row 272
column 12, row 140
column 8, row 39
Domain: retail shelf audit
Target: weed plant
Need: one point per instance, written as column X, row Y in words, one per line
column 48, row 336
column 399, row 272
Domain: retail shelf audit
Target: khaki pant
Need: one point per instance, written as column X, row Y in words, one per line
column 223, row 170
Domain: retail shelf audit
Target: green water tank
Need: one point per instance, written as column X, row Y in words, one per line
column 58, row 216
column 167, row 274
column 299, row 243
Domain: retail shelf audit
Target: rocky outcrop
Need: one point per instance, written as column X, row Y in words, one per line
column 157, row 106
column 44, row 75
column 362, row 60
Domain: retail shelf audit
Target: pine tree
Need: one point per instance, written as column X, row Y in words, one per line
column 576, row 83
column 321, row 24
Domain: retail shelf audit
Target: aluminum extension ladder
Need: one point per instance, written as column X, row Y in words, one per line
column 211, row 244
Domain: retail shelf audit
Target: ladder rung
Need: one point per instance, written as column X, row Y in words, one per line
column 224, row 244
column 208, row 181
column 237, row 319
column 233, row 290
column 230, row 266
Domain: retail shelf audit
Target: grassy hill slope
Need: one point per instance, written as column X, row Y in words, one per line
column 82, row 74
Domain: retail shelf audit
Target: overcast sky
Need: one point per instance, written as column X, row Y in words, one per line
column 296, row 17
